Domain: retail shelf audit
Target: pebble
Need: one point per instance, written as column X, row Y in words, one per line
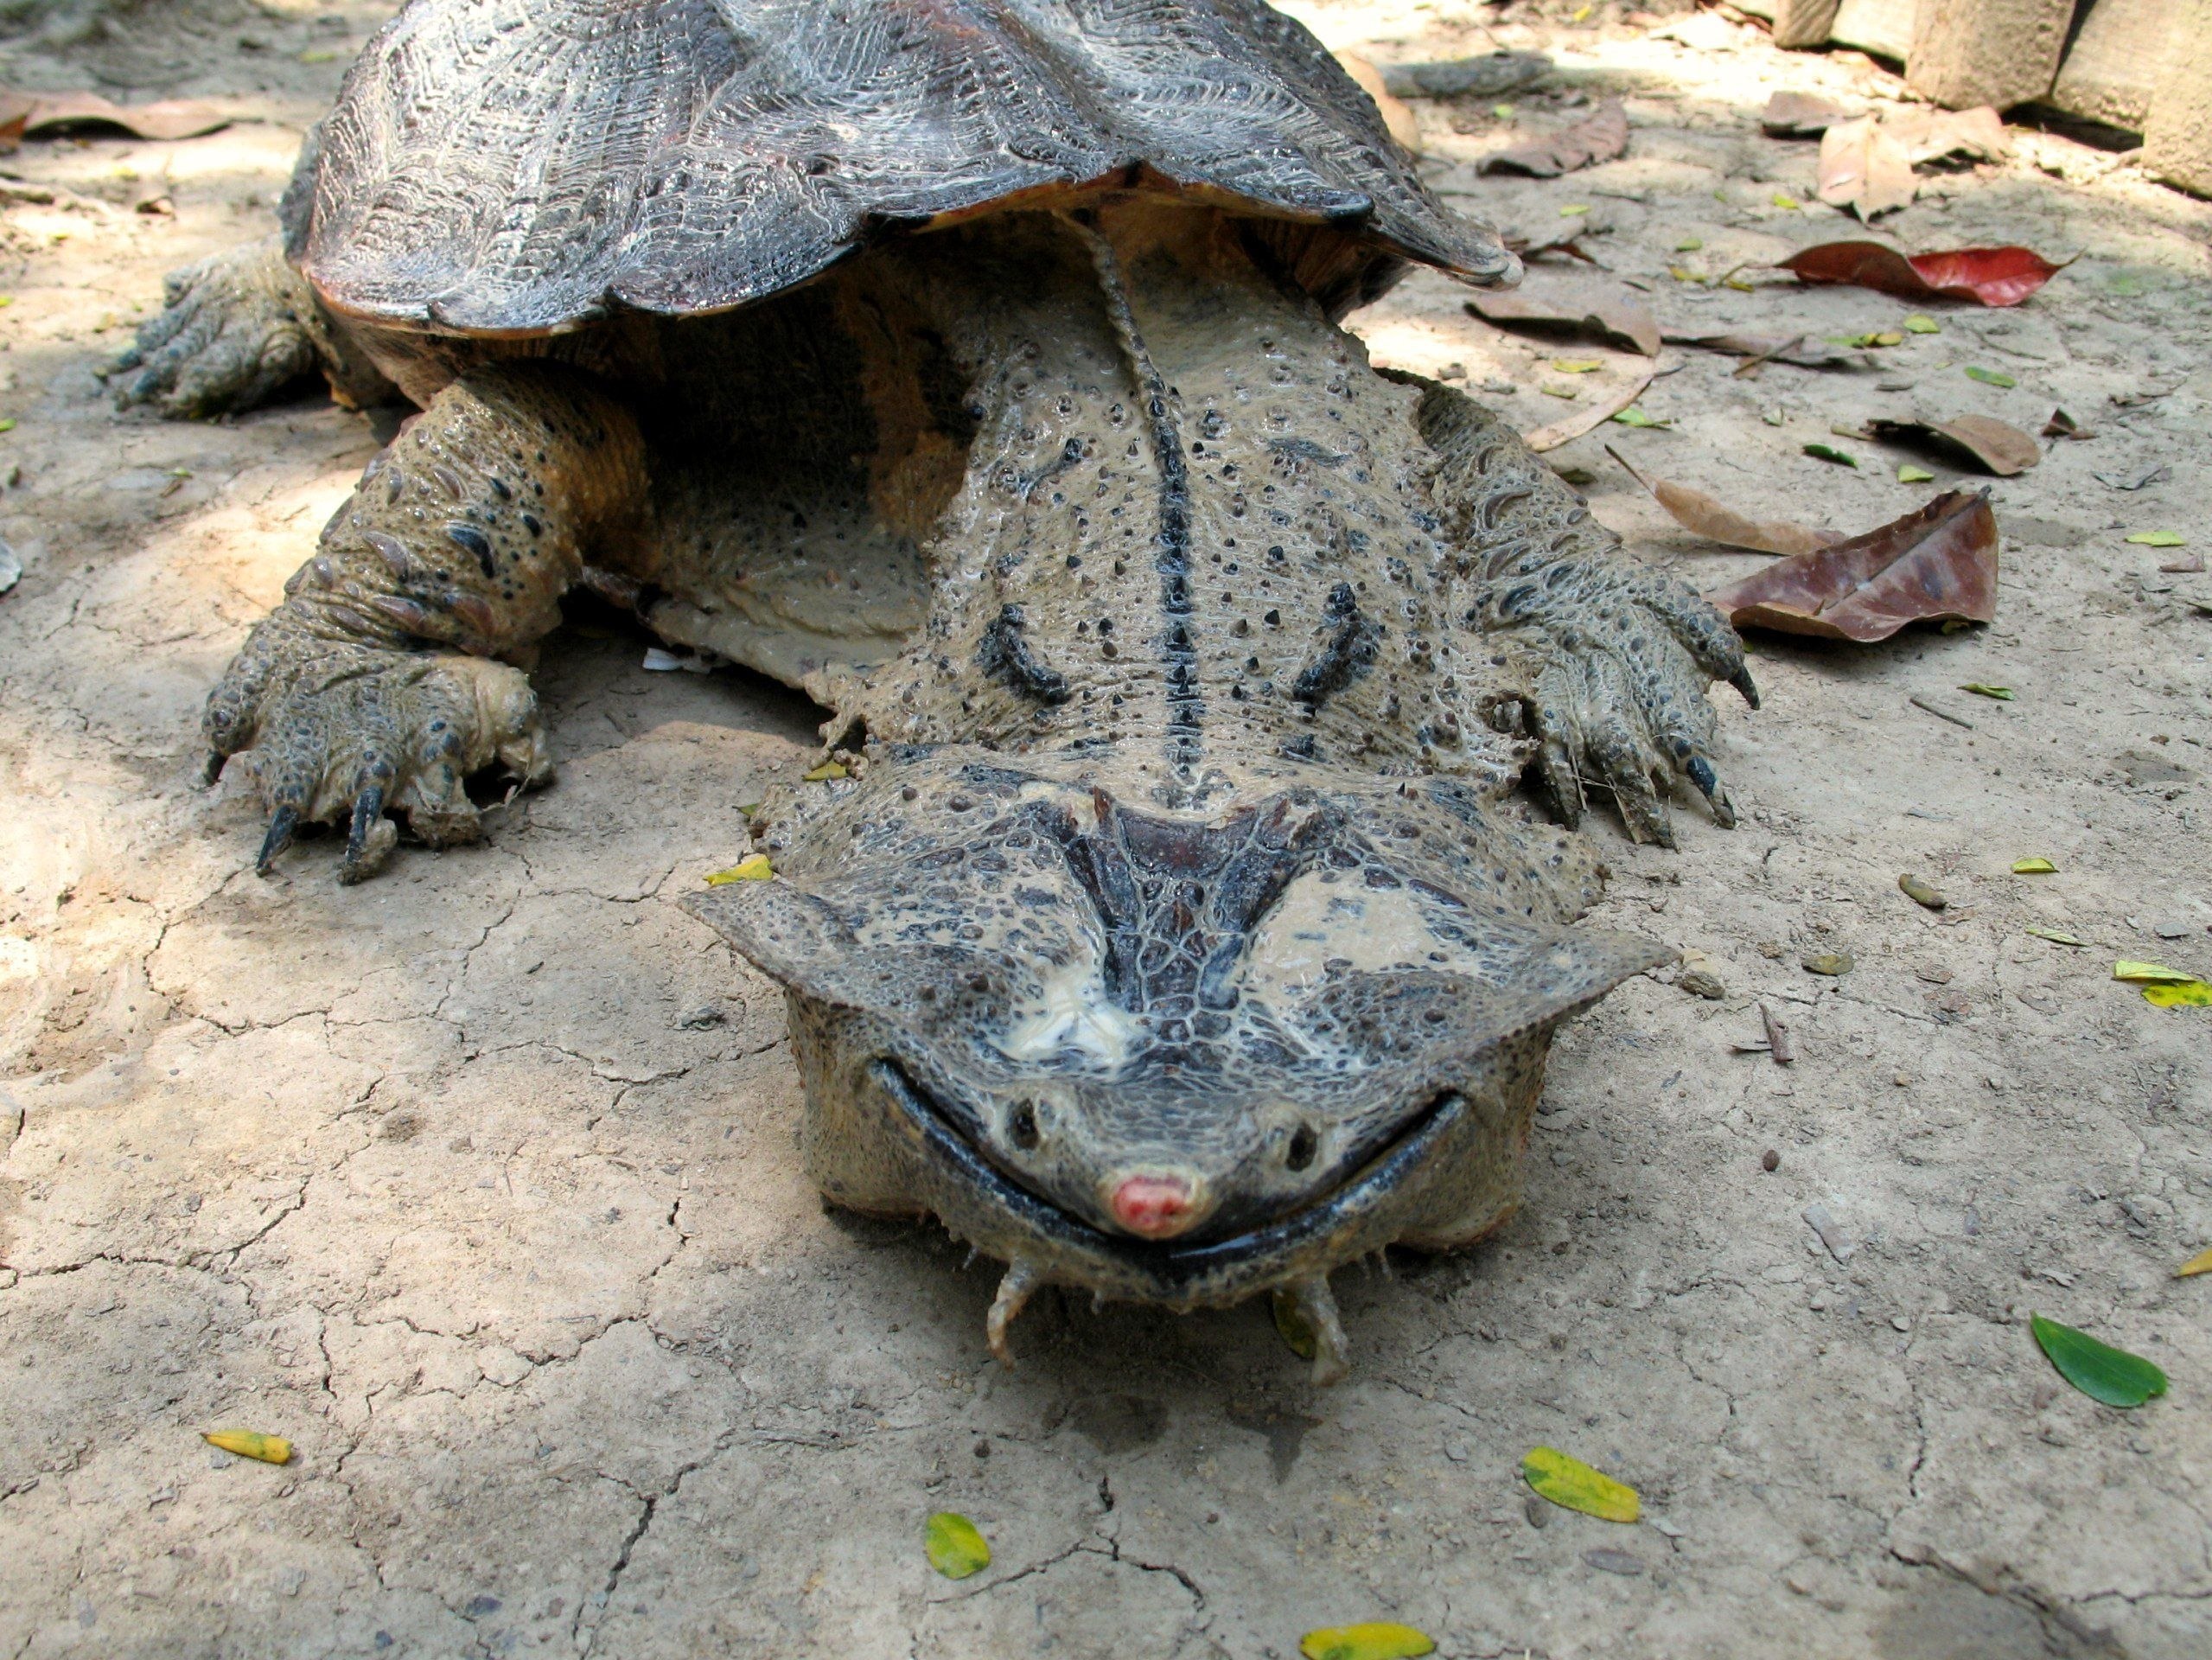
column 1608, row 1561
column 1697, row 983
column 1770, row 1159
column 2172, row 930
column 1538, row 1512
column 1828, row 962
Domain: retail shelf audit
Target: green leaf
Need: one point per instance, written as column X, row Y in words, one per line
column 2099, row 1371
column 1919, row 324
column 2180, row 994
column 1991, row 377
column 2150, row 973
column 1829, row 452
column 1293, row 1325
column 9, row 425
column 1376, row 1640
column 1633, row 416
column 1574, row 1485
column 2144, row 538
column 1781, row 201
column 1574, row 210
column 2055, row 937
column 1689, row 245
column 955, row 1548
column 1909, row 474
column 1578, row 365
column 754, row 867
column 2033, row 867
column 2002, row 693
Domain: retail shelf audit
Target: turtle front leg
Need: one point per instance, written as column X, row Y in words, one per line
column 1615, row 658
column 235, row 329
column 374, row 687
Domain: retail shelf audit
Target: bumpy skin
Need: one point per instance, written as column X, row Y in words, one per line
column 235, row 329
column 1173, row 938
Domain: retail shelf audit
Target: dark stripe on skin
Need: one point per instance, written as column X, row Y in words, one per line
column 1005, row 656
column 1179, row 656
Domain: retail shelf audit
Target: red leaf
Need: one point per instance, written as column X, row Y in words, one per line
column 1993, row 275
column 1934, row 564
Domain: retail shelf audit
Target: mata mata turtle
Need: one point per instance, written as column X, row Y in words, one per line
column 976, row 366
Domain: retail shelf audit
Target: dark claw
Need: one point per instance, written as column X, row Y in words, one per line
column 1703, row 776
column 366, row 811
column 1741, row 680
column 211, row 769
column 282, row 823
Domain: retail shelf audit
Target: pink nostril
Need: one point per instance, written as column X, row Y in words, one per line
column 1155, row 1207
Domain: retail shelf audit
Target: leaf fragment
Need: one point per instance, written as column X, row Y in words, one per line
column 1717, row 522
column 1996, row 446
column 1572, row 307
column 1374, row 1640
column 1634, row 415
column 826, row 771
column 1599, row 137
column 1578, row 365
column 2002, row 693
column 2201, row 1263
column 1920, row 323
column 251, row 1444
column 2034, row 867
column 1921, row 892
column 2058, row 938
column 1800, row 115
column 754, row 867
column 1936, row 563
column 2180, row 994
column 1781, row 199
column 1990, row 377
column 2150, row 973
column 1689, row 245
column 2003, row 276
column 1572, row 1484
column 1909, row 474
column 1865, row 168
column 2099, row 1370
column 1292, row 1325
column 955, row 1546
column 1829, row 452
column 2158, row 539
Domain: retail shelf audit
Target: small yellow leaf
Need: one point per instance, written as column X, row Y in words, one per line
column 2055, row 937
column 1581, row 14
column 8, row 425
column 1919, row 324
column 826, row 771
column 954, row 1547
column 1781, row 201
column 1738, row 284
column 1376, row 1640
column 1574, row 1485
column 2201, row 1263
column 1560, row 389
column 1689, row 245
column 1921, row 892
column 754, row 867
column 1909, row 474
column 2002, row 693
column 251, row 1444
column 1574, row 210
column 1577, row 365
column 2150, row 973
column 2180, row 994
column 2033, row 867
column 1682, row 276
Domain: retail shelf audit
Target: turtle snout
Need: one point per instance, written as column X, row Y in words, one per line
column 1157, row 1204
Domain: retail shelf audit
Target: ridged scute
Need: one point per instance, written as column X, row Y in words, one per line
column 523, row 166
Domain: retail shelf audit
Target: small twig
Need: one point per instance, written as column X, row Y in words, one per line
column 1778, row 1044
column 1751, row 366
column 1940, row 714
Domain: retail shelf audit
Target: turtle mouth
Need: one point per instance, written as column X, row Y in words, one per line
column 1334, row 1224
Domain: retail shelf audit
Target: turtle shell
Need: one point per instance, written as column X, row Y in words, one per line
column 523, row 167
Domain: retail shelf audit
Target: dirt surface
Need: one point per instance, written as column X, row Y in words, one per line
column 479, row 1182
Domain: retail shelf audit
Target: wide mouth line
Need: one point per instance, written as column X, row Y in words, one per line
column 942, row 1129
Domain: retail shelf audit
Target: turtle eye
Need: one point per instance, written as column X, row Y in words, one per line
column 1022, row 1128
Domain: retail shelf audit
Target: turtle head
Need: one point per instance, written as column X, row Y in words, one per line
column 1176, row 1059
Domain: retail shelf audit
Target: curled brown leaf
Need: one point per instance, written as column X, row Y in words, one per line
column 1936, row 563
column 1717, row 522
column 1996, row 446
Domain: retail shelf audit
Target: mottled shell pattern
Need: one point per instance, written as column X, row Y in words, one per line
column 526, row 167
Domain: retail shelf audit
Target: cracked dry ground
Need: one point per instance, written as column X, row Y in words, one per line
column 479, row 1182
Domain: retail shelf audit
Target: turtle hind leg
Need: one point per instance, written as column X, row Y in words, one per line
column 374, row 687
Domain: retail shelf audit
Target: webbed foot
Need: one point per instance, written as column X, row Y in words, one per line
column 341, row 732
column 235, row 329
column 1623, row 657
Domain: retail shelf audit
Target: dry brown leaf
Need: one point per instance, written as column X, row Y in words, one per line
column 1801, row 115
column 1865, row 168
column 1600, row 137
column 1999, row 447
column 1717, row 522
column 1797, row 350
column 1923, row 135
column 1936, row 563
column 1405, row 126
column 1613, row 317
column 34, row 114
